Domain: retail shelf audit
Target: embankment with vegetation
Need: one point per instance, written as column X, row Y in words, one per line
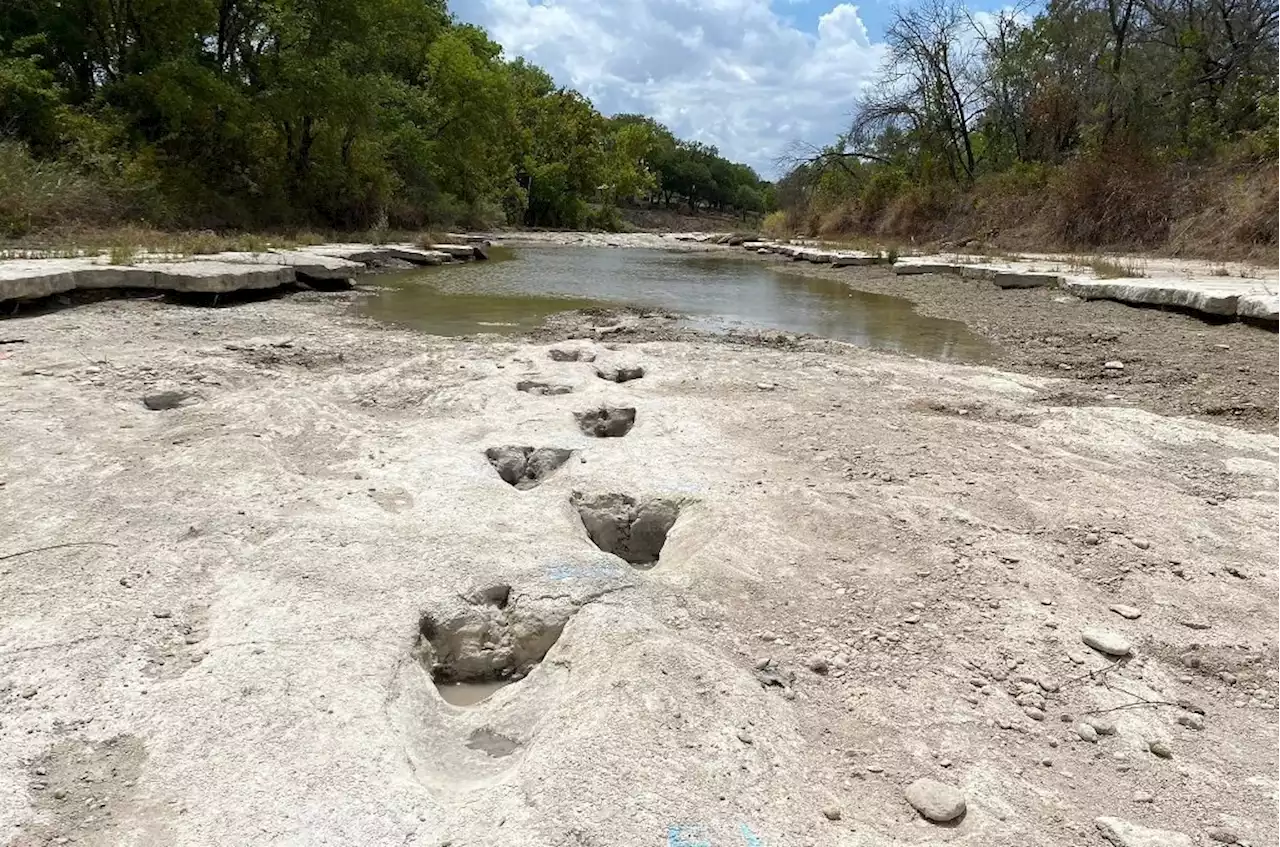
column 1112, row 124
column 314, row 114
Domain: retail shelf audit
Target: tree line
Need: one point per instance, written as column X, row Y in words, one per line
column 337, row 113
column 1109, row 106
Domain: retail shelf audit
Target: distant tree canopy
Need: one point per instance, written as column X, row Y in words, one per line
column 1137, row 86
column 343, row 113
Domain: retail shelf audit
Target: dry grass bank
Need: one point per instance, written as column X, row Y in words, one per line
column 1115, row 203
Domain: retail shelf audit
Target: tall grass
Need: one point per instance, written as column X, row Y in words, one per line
column 35, row 194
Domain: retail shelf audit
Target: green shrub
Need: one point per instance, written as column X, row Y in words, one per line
column 884, row 186
column 603, row 217
column 775, row 225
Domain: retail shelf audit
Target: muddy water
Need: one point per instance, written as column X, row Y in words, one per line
column 468, row 693
column 524, row 285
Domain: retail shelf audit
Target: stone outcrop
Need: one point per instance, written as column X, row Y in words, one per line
column 35, row 278
column 1224, row 297
column 307, row 265
column 217, row 273
column 1186, row 286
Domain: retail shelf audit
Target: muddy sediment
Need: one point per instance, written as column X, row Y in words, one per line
column 1174, row 363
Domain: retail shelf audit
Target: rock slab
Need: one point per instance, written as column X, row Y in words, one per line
column 1124, row 833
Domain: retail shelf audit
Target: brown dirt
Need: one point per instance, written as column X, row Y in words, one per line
column 1174, row 363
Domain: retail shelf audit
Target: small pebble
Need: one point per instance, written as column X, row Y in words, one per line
column 1101, row 725
column 1127, row 612
column 1191, row 721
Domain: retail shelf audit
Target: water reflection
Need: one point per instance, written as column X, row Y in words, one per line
column 522, row 287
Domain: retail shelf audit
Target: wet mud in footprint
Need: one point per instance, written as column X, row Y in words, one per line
column 543, row 389
column 620, row 373
column 607, row 421
column 490, row 638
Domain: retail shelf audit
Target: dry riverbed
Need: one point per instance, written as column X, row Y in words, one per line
column 1173, row 363
column 870, row 570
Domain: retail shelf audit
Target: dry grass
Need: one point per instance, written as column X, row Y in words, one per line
column 428, row 240
column 1123, row 201
column 35, row 194
column 1107, row 267
column 130, row 243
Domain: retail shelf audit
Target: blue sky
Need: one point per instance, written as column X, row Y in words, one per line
column 749, row 76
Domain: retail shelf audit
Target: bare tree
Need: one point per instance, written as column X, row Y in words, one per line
column 931, row 84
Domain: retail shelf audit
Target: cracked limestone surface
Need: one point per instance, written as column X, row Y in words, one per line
column 860, row 592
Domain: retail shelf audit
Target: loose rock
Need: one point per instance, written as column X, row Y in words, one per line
column 1127, row 612
column 165, row 400
column 1087, row 733
column 935, row 801
column 1123, row 833
column 1191, row 721
column 1105, row 641
column 833, row 813
column 1223, row 835
column 1100, row 725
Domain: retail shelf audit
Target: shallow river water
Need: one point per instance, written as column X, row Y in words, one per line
column 521, row 286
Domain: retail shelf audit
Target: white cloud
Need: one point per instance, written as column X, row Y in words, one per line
column 726, row 72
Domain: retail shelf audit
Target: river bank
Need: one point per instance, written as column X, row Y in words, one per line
column 881, row 569
column 1173, row 363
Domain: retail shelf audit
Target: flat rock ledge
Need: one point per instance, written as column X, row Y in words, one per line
column 1256, row 300
column 219, row 273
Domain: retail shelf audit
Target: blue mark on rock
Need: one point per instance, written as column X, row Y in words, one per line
column 695, row 835
column 686, row 835
column 584, row 570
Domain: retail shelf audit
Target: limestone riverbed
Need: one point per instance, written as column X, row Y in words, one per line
column 809, row 593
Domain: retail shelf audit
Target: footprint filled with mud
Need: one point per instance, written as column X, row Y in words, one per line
column 526, row 467
column 633, row 530
column 486, row 642
column 607, row 421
